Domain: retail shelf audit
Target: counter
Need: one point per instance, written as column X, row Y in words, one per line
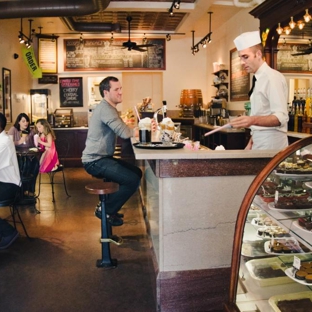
column 191, row 201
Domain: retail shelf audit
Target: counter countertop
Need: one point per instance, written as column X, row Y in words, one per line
column 184, row 153
column 71, row 128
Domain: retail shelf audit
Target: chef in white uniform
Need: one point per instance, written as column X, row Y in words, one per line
column 268, row 96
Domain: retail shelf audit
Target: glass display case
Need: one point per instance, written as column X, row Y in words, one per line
column 272, row 253
column 40, row 99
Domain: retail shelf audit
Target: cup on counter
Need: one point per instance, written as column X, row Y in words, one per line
column 167, row 130
column 145, row 131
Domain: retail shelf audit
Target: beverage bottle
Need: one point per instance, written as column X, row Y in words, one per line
column 291, row 115
column 295, row 103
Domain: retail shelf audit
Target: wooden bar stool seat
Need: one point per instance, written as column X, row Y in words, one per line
column 103, row 189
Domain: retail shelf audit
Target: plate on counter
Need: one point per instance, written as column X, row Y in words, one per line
column 293, row 247
column 272, row 207
column 159, row 145
column 290, row 272
column 276, row 300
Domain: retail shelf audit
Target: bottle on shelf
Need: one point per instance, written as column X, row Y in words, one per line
column 291, row 114
column 295, row 105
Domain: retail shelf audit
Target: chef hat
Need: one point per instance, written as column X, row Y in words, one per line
column 247, row 40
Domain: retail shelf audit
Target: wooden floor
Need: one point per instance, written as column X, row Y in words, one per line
column 55, row 270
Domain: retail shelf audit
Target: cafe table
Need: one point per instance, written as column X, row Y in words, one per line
column 28, row 161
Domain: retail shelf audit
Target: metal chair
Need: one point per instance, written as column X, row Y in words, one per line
column 62, row 147
column 13, row 204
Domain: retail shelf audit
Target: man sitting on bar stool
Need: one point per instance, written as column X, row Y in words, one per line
column 9, row 182
column 97, row 158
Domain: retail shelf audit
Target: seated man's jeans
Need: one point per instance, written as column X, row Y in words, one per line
column 116, row 170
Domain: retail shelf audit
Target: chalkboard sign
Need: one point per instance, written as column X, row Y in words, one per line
column 48, row 79
column 71, row 92
column 287, row 63
column 239, row 79
column 101, row 54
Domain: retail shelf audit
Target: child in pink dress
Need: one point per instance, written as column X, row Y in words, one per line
column 46, row 142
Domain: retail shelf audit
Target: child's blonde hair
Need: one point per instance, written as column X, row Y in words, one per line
column 46, row 127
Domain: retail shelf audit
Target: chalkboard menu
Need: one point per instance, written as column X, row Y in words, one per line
column 102, row 54
column 239, row 79
column 71, row 92
column 288, row 63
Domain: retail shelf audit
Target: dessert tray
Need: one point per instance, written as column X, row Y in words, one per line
column 296, row 224
column 276, row 300
column 302, row 175
column 268, row 271
column 159, row 145
column 272, row 207
column 290, row 272
column 290, row 243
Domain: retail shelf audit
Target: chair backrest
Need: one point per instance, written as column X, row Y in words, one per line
column 62, row 148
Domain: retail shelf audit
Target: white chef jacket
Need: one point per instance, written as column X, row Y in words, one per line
column 9, row 170
column 269, row 97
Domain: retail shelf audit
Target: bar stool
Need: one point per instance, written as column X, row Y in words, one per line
column 103, row 189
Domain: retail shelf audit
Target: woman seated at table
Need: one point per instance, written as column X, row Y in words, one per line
column 22, row 135
column 29, row 166
column 49, row 159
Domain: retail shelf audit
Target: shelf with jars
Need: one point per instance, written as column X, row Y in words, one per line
column 272, row 251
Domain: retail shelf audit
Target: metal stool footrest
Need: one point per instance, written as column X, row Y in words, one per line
column 117, row 240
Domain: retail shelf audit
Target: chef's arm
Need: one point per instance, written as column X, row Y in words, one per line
column 263, row 121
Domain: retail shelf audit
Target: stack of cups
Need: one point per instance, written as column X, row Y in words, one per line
column 145, row 133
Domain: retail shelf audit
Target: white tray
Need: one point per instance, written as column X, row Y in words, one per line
column 273, row 262
column 290, row 272
column 282, row 240
column 296, row 224
column 272, row 207
column 275, row 299
column 301, row 176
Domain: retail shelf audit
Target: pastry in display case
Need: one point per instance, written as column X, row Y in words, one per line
column 272, row 253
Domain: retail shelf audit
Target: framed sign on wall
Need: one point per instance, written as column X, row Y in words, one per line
column 47, row 55
column 289, row 63
column 239, row 79
column 102, row 54
column 71, row 92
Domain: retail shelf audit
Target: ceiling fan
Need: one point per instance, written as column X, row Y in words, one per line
column 130, row 45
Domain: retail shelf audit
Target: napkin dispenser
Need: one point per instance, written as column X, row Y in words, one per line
column 63, row 118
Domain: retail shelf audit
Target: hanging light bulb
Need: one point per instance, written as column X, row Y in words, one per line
column 292, row 24
column 279, row 29
column 307, row 16
column 287, row 30
column 300, row 24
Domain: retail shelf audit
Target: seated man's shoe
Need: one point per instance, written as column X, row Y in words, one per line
column 98, row 212
column 7, row 241
column 113, row 220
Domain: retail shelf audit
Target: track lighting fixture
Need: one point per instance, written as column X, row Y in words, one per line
column 81, row 39
column 168, row 37
column 175, row 5
column 111, row 38
column 23, row 38
column 204, row 41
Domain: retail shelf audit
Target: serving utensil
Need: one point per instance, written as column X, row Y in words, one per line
column 226, row 126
